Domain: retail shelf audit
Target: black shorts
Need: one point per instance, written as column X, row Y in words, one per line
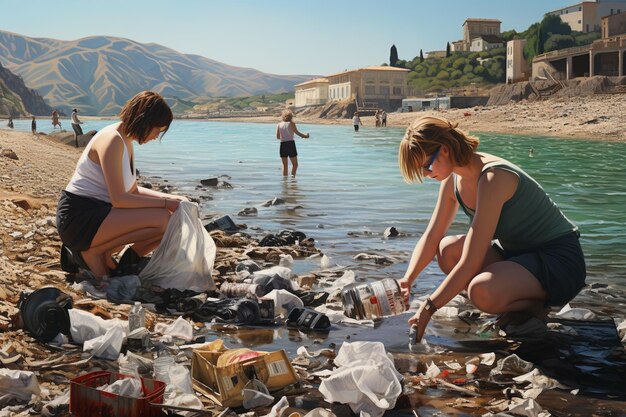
column 288, row 149
column 79, row 218
column 559, row 265
column 77, row 129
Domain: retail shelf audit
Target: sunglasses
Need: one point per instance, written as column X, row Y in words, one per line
column 428, row 166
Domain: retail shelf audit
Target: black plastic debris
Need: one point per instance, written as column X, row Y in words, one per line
column 224, row 223
column 307, row 319
column 45, row 312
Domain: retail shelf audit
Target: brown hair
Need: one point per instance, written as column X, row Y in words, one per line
column 427, row 134
column 144, row 112
column 286, row 115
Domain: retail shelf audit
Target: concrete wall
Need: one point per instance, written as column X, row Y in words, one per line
column 462, row 102
column 613, row 25
column 517, row 69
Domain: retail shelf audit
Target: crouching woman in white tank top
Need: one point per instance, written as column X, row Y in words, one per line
column 102, row 208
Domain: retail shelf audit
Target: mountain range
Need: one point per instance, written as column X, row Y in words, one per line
column 99, row 74
column 18, row 100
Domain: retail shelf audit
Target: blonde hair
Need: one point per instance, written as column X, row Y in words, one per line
column 286, row 115
column 427, row 134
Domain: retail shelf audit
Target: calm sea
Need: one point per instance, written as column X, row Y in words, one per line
column 349, row 190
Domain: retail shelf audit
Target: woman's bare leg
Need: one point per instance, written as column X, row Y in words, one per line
column 123, row 226
column 501, row 286
column 294, row 165
column 285, row 166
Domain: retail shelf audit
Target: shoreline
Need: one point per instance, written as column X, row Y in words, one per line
column 597, row 117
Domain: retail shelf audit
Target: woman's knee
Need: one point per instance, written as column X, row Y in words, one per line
column 482, row 294
column 449, row 252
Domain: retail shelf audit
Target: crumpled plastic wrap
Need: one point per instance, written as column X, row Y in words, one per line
column 366, row 379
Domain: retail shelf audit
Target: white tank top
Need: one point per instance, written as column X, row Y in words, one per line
column 286, row 134
column 88, row 179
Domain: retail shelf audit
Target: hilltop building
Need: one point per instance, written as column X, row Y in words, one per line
column 587, row 15
column 485, row 43
column 376, row 86
column 473, row 29
column 603, row 57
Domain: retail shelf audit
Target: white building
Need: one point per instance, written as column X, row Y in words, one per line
column 485, row 43
column 517, row 68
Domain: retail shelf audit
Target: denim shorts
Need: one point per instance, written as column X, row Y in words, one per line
column 559, row 265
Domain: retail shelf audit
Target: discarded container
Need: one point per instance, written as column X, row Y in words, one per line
column 236, row 290
column 136, row 317
column 224, row 385
column 373, row 300
column 307, row 319
column 413, row 335
column 88, row 401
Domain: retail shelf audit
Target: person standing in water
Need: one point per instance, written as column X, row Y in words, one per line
column 284, row 133
column 356, row 121
column 33, row 126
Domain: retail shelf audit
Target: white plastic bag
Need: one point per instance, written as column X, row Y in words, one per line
column 184, row 259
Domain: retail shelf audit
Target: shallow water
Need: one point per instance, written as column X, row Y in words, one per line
column 349, row 190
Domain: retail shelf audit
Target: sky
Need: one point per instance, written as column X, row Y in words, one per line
column 275, row 36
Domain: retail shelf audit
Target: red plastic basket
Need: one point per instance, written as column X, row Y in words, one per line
column 87, row 401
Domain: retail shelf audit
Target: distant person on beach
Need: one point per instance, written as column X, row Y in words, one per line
column 377, row 118
column 10, row 124
column 55, row 119
column 33, row 126
column 356, row 121
column 383, row 118
column 76, row 126
column 102, row 208
column 284, row 133
column 520, row 254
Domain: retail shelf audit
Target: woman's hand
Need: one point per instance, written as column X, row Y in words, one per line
column 405, row 286
column 421, row 319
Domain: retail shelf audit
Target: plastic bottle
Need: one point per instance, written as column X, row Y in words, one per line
column 136, row 317
column 373, row 300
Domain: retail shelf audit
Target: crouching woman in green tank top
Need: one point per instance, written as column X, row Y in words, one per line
column 520, row 252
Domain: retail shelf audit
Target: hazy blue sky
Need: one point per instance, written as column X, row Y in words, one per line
column 275, row 36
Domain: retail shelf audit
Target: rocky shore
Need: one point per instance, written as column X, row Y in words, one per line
column 34, row 169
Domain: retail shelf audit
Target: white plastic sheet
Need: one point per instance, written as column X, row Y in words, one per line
column 366, row 379
column 567, row 312
column 107, row 346
column 103, row 338
column 184, row 259
column 284, row 302
column 181, row 328
column 16, row 384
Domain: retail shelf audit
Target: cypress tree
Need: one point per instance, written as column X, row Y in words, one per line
column 421, row 56
column 447, row 49
column 393, row 56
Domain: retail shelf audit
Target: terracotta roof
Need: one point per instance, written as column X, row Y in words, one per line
column 313, row 81
column 372, row 68
column 482, row 20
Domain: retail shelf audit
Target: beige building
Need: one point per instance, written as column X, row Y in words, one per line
column 312, row 93
column 474, row 28
column 517, row 68
column 587, row 15
column 379, row 86
column 614, row 24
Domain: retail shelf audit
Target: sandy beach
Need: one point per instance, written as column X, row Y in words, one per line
column 34, row 170
column 598, row 117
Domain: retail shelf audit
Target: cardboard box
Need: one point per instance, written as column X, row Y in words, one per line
column 224, row 384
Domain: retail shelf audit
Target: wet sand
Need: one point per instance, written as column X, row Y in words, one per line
column 29, row 187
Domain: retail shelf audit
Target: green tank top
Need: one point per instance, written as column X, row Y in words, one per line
column 528, row 219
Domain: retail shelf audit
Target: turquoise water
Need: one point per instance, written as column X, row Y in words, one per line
column 349, row 189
